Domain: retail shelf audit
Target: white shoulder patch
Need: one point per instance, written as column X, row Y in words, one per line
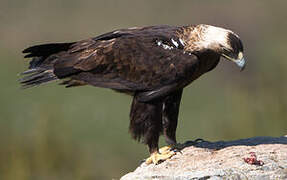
column 169, row 47
column 165, row 46
column 174, row 42
column 181, row 42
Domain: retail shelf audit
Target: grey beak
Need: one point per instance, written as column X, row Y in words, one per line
column 241, row 63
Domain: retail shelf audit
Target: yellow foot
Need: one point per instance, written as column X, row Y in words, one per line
column 164, row 153
column 165, row 149
column 174, row 148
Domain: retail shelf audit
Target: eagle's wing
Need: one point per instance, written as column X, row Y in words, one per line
column 148, row 61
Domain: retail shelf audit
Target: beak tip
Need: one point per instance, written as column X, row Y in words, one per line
column 242, row 68
column 241, row 63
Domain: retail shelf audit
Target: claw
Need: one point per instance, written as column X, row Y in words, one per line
column 165, row 149
column 163, row 154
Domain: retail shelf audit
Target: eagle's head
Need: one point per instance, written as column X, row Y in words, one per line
column 222, row 41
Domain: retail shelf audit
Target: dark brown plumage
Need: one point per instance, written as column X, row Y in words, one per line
column 153, row 64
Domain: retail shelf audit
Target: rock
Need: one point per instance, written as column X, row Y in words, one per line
column 252, row 158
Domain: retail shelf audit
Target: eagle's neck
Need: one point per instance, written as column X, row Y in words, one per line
column 203, row 37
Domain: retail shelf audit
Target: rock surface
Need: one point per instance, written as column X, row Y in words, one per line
column 252, row 158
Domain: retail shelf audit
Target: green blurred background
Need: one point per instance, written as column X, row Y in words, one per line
column 50, row 132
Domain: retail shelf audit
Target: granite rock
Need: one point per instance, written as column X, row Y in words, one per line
column 252, row 158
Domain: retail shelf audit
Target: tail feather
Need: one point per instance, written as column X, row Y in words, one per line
column 30, row 77
column 45, row 50
column 41, row 66
column 30, row 71
column 37, row 78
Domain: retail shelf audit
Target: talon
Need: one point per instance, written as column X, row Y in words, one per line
column 175, row 148
column 165, row 149
column 158, row 157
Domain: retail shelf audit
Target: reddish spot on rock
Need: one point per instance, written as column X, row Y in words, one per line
column 253, row 160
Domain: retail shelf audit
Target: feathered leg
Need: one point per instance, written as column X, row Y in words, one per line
column 146, row 122
column 149, row 119
column 170, row 112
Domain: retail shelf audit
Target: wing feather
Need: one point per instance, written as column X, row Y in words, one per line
column 147, row 61
column 129, row 61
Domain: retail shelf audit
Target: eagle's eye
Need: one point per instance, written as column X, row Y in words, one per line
column 229, row 53
column 235, row 45
column 236, row 57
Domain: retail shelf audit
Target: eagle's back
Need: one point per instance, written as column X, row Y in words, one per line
column 148, row 60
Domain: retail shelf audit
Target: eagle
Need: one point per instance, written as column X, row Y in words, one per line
column 153, row 64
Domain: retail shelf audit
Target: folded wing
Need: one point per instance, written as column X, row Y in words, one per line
column 149, row 61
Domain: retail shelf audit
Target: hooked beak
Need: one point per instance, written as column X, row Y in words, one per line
column 241, row 63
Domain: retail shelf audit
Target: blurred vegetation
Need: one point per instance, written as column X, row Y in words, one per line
column 51, row 132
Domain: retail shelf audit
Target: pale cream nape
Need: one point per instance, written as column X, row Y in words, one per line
column 212, row 37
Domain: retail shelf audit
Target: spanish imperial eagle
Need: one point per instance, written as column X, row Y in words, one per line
column 153, row 64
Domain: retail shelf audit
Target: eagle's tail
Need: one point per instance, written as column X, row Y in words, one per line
column 41, row 66
column 37, row 76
